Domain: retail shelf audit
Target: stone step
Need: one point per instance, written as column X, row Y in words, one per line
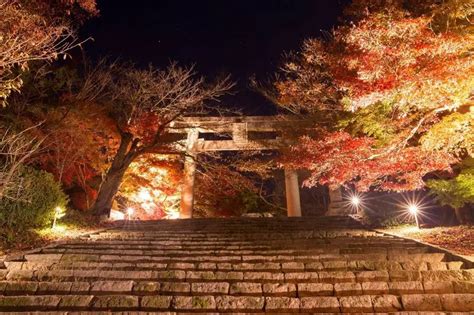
column 345, row 304
column 275, row 265
column 401, row 258
column 336, row 265
column 233, row 253
column 288, row 289
column 249, row 276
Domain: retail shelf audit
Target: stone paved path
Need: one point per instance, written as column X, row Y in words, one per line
column 307, row 265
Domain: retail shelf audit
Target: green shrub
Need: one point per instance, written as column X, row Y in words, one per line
column 38, row 197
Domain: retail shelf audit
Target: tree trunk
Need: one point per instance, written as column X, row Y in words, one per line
column 459, row 215
column 111, row 184
column 107, row 191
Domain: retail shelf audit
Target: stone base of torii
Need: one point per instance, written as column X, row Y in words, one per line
column 238, row 134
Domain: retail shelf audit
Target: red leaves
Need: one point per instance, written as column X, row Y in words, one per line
column 338, row 158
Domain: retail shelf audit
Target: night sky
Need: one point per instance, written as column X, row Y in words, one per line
column 237, row 37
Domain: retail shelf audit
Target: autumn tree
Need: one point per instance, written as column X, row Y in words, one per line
column 143, row 104
column 36, row 31
column 384, row 83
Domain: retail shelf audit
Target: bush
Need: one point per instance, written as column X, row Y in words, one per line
column 38, row 197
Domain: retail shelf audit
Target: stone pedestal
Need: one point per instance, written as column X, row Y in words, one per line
column 337, row 205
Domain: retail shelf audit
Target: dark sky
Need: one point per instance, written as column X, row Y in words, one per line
column 240, row 37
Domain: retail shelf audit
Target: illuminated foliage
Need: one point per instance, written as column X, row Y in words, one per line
column 456, row 192
column 36, row 31
column 152, row 187
column 391, row 86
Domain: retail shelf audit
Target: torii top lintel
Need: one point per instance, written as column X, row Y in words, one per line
column 205, row 134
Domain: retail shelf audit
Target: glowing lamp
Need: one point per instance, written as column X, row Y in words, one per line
column 58, row 214
column 413, row 209
column 355, row 201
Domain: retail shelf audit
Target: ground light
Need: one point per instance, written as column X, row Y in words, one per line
column 413, row 209
column 355, row 201
column 58, row 214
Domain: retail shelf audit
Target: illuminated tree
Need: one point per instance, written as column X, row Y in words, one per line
column 384, row 87
column 143, row 103
column 36, row 31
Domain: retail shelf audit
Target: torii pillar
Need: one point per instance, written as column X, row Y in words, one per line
column 293, row 203
column 187, row 193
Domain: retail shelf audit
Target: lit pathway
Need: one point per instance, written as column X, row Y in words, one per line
column 310, row 265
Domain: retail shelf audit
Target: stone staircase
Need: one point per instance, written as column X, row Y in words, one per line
column 251, row 265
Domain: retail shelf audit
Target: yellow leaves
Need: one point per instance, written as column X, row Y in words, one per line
column 453, row 134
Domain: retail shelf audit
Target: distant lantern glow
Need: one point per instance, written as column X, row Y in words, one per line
column 130, row 212
column 117, row 215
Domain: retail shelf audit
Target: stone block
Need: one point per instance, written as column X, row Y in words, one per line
column 463, row 286
column 375, row 288
column 272, row 276
column 192, row 303
column 405, row 287
column 229, row 276
column 156, row 302
column 335, row 265
column 80, row 287
column 104, row 287
column 43, row 257
column 75, row 302
column 18, row 275
column 54, row 287
column 438, row 287
column 115, row 302
column 354, row 304
column 21, row 288
column 336, row 276
column 386, row 303
column 279, row 289
column 282, row 304
column 181, row 266
column 405, row 275
column 210, row 288
column 315, row 289
column 246, row 288
column 168, row 275
column 207, row 266
column 314, row 266
column 298, row 276
column 320, row 304
column 347, row 288
column 421, row 302
column 371, row 276
column 292, row 266
column 458, row 302
column 34, row 303
column 175, row 287
column 240, row 303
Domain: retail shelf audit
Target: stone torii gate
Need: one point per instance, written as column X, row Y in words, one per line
column 212, row 134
